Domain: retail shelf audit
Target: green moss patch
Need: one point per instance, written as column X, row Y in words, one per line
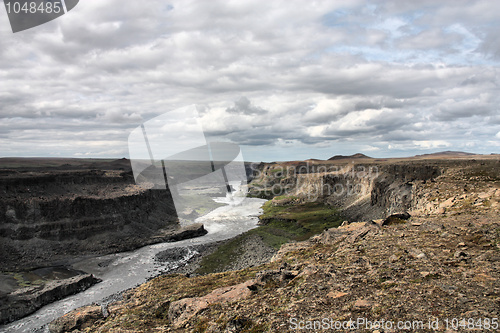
column 292, row 222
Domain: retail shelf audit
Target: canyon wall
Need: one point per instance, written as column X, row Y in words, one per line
column 363, row 191
column 48, row 216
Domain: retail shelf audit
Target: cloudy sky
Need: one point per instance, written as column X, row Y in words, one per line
column 284, row 79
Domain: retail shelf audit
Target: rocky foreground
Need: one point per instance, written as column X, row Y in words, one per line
column 420, row 270
column 436, row 271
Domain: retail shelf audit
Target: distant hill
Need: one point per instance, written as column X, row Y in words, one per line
column 121, row 164
column 447, row 153
column 343, row 157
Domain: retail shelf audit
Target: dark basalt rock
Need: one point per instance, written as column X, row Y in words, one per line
column 49, row 216
column 189, row 231
column 23, row 302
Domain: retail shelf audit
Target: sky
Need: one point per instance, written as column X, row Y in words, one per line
column 285, row 80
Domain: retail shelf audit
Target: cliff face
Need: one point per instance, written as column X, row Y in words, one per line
column 27, row 300
column 45, row 216
column 369, row 191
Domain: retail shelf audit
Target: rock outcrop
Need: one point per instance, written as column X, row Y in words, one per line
column 25, row 301
column 182, row 310
column 186, row 232
column 75, row 320
column 369, row 191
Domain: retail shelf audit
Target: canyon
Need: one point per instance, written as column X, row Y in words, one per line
column 49, row 215
column 370, row 190
column 419, row 244
column 450, row 209
column 55, row 213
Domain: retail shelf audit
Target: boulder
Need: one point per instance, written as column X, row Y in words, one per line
column 182, row 310
column 80, row 318
column 189, row 231
column 396, row 218
column 362, row 304
column 25, row 301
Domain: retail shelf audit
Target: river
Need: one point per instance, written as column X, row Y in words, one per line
column 121, row 271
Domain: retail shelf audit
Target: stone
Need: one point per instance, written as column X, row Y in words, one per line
column 80, row 318
column 393, row 258
column 396, row 218
column 448, row 202
column 417, row 254
column 362, row 304
column 276, row 275
column 236, row 325
column 182, row 310
column 287, row 275
column 460, row 254
column 187, row 232
column 336, row 294
column 362, row 232
column 425, row 274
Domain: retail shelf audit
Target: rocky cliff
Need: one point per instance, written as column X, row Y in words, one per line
column 364, row 191
column 27, row 300
column 47, row 216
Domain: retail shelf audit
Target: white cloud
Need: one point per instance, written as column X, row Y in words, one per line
column 409, row 75
column 432, row 144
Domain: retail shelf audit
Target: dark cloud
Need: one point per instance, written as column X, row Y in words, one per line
column 490, row 45
column 244, row 106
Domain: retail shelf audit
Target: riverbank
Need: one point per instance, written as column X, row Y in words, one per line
column 122, row 271
column 284, row 219
column 253, row 251
column 22, row 293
